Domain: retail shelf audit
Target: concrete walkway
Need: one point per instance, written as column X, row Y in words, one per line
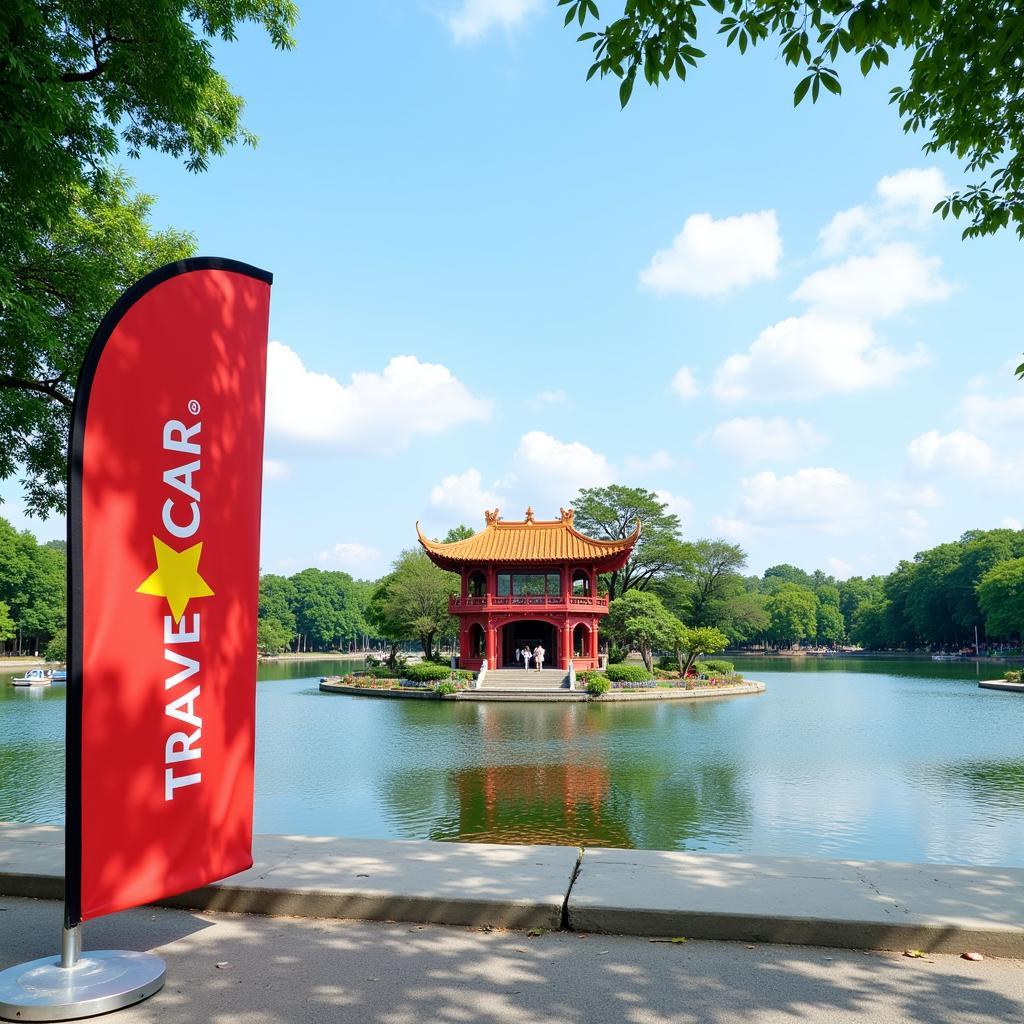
column 849, row 904
column 229, row 969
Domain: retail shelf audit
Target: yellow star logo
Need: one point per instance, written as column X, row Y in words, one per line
column 177, row 577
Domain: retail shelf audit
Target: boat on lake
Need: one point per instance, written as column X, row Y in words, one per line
column 34, row 677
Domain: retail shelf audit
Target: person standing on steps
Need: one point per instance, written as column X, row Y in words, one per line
column 538, row 653
column 527, row 655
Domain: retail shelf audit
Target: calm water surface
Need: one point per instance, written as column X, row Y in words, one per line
column 880, row 759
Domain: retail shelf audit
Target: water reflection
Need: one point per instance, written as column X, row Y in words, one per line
column 860, row 758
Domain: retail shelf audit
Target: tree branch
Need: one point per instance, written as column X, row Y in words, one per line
column 42, row 387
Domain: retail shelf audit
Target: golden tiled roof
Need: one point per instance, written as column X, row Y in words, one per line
column 530, row 541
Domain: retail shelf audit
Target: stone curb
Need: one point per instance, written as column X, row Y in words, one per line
column 752, row 686
column 843, row 904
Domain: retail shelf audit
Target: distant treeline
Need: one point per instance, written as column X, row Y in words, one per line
column 33, row 593
column 935, row 600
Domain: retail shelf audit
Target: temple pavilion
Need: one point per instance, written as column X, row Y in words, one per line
column 529, row 581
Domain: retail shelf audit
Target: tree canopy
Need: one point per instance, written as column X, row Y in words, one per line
column 611, row 513
column 80, row 82
column 962, row 87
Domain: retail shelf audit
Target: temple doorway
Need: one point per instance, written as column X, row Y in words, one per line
column 532, row 633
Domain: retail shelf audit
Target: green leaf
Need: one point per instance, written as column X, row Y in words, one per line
column 1020, row 371
column 832, row 84
column 625, row 90
column 801, row 90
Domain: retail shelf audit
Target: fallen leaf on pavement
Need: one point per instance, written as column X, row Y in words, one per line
column 970, row 955
column 917, row 954
column 222, row 965
column 676, row 941
column 535, row 933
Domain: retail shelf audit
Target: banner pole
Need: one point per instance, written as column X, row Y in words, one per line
column 70, row 946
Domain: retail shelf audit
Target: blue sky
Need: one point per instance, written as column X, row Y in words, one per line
column 493, row 287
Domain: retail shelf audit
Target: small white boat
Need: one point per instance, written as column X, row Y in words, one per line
column 34, row 677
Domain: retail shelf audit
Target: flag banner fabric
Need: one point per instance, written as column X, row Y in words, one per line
column 165, row 482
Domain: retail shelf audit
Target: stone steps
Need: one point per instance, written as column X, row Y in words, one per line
column 522, row 679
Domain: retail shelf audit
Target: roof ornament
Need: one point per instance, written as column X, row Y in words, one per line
column 529, row 513
column 567, row 515
column 490, row 518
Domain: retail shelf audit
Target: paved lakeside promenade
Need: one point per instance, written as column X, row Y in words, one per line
column 842, row 904
column 260, row 970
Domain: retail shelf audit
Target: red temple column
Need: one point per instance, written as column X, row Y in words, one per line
column 490, row 645
column 566, row 652
column 593, row 641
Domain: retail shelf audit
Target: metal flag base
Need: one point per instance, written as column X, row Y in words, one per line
column 91, row 983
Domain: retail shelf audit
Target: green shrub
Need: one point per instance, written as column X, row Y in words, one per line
column 628, row 674
column 57, row 648
column 464, row 673
column 597, row 684
column 711, row 667
column 1013, row 677
column 446, row 687
column 425, row 672
column 380, row 672
column 668, row 663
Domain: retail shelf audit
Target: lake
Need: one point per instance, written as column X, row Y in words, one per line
column 887, row 759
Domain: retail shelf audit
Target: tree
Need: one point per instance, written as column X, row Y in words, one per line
column 79, row 80
column 639, row 621
column 776, row 575
column 743, row 616
column 64, row 281
column 831, row 627
column 460, row 532
column 611, row 513
column 793, row 613
column 1001, row 596
column 82, row 79
column 691, row 643
column 325, row 610
column 708, row 578
column 962, row 87
column 57, row 648
column 412, row 602
column 272, row 636
column 277, row 602
column 8, row 631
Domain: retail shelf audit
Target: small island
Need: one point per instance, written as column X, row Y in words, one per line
column 529, row 612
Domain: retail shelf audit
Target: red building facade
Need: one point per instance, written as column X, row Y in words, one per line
column 529, row 582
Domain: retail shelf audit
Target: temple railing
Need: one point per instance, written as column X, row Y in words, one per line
column 485, row 602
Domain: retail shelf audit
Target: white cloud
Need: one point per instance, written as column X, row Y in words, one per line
column 956, row 452
column 756, row 439
column 870, row 287
column 473, row 19
column 464, row 494
column 912, row 527
column 905, row 201
column 1010, row 523
column 684, row 384
column 553, row 397
column 821, row 499
column 733, row 528
column 639, row 464
column 994, row 415
column 915, row 189
column 545, row 468
column 812, row 355
column 274, row 469
column 350, row 556
column 678, row 505
column 378, row 413
column 839, row 568
column 713, row 257
column 901, row 495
